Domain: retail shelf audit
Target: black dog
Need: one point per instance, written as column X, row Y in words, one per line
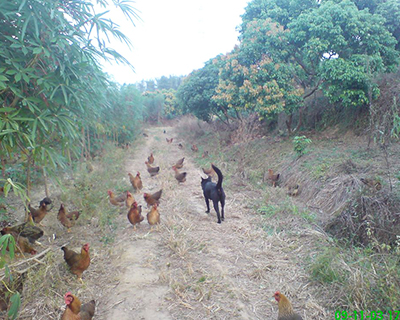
column 215, row 193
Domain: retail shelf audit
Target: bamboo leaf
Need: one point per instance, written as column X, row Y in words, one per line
column 15, row 305
column 25, row 25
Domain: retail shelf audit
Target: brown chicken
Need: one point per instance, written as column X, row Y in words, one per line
column 180, row 146
column 273, row 177
column 66, row 218
column 25, row 229
column 372, row 183
column 129, row 199
column 194, row 148
column 40, row 213
column 179, row 163
column 136, row 181
column 75, row 310
column 169, row 140
column 47, row 201
column 209, row 172
column 78, row 262
column 135, row 215
column 116, row 201
column 293, row 190
column 180, row 176
column 152, row 170
column 153, row 217
column 150, row 159
column 22, row 244
column 285, row 308
column 152, row 198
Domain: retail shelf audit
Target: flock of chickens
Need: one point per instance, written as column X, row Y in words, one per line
column 127, row 199
column 27, row 233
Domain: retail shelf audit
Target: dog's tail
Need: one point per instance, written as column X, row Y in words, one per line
column 220, row 178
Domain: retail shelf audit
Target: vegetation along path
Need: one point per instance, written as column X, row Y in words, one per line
column 194, row 268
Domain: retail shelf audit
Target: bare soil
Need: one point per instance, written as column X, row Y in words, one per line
column 191, row 267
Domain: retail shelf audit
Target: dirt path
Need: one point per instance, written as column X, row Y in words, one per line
column 194, row 268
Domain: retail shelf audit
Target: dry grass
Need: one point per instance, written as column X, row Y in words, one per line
column 47, row 277
column 329, row 177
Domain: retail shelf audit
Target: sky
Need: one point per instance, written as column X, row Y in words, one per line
column 175, row 37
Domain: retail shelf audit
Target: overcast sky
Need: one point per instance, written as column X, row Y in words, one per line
column 176, row 36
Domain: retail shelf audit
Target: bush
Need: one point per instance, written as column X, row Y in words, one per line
column 300, row 145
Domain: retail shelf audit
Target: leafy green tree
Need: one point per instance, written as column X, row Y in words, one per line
column 312, row 45
column 172, row 82
column 126, row 110
column 151, row 85
column 171, row 107
column 337, row 43
column 197, row 89
column 281, row 11
column 153, row 102
column 390, row 10
column 250, row 81
column 51, row 87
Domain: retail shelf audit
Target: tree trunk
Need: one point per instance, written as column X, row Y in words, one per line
column 289, row 124
column 69, row 157
column 300, row 120
column 28, row 174
column 88, row 144
column 46, row 187
column 83, row 144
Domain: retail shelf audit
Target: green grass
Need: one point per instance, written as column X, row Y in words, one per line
column 89, row 190
column 369, row 280
column 326, row 267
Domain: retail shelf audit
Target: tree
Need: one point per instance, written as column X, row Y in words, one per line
column 171, row 107
column 251, row 81
column 172, row 82
column 390, row 10
column 153, row 102
column 197, row 89
column 51, row 87
column 320, row 44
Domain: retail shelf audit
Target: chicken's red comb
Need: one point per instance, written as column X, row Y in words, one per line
column 67, row 297
column 69, row 293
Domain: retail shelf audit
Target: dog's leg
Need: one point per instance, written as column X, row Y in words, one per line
column 222, row 208
column 217, row 210
column 208, row 205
